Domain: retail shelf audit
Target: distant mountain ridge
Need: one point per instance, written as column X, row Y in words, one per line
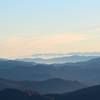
column 57, row 60
column 58, row 55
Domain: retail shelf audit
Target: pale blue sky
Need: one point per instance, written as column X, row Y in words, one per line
column 48, row 16
column 33, row 18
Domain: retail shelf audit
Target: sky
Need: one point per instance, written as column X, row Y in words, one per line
column 28, row 27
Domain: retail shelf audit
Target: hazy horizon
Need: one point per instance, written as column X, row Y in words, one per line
column 30, row 27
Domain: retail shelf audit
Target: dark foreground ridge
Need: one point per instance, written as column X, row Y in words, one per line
column 91, row 93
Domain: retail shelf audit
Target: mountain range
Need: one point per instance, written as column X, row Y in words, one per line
column 25, row 80
column 57, row 60
column 43, row 87
column 87, row 72
column 90, row 93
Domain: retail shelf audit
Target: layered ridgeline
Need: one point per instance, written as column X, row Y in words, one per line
column 91, row 93
column 60, row 58
column 43, row 87
column 87, row 72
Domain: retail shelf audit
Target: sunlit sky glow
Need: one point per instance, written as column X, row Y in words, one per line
column 49, row 26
